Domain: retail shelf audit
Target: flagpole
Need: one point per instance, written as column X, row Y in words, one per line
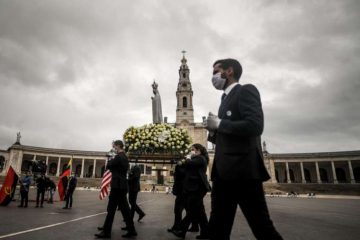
column 71, row 163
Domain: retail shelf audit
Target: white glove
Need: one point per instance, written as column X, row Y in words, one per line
column 212, row 122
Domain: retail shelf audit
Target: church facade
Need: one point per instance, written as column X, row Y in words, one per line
column 305, row 168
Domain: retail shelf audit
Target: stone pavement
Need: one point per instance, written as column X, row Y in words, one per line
column 295, row 218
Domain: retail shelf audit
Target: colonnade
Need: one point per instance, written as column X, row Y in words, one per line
column 324, row 171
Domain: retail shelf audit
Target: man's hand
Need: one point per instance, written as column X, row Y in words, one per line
column 212, row 122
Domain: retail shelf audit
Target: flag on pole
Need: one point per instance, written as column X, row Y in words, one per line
column 105, row 185
column 63, row 181
column 8, row 188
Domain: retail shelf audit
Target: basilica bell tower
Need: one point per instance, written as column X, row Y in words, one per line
column 184, row 94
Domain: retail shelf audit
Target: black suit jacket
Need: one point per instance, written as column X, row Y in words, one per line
column 118, row 167
column 195, row 180
column 179, row 176
column 238, row 153
column 72, row 184
column 134, row 179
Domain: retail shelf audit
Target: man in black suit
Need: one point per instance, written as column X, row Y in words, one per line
column 41, row 187
column 118, row 166
column 134, row 188
column 238, row 169
column 70, row 191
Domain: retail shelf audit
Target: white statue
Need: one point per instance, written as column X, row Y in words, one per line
column 156, row 104
column 18, row 136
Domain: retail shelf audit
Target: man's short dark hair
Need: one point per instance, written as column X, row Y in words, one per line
column 119, row 143
column 229, row 62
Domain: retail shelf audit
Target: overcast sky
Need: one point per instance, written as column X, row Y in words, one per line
column 76, row 74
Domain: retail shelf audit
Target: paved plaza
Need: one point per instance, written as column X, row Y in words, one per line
column 295, row 218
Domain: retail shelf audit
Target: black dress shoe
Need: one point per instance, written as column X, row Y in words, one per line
column 102, row 235
column 100, row 228
column 125, row 229
column 141, row 217
column 178, row 233
column 203, row 236
column 130, row 234
column 170, row 229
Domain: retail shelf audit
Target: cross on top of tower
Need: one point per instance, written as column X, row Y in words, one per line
column 183, row 60
column 183, row 52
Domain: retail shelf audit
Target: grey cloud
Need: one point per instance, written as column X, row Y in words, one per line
column 77, row 74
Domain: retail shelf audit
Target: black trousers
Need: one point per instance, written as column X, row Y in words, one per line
column 249, row 195
column 133, row 204
column 40, row 193
column 195, row 213
column 117, row 198
column 69, row 199
column 179, row 207
column 24, row 198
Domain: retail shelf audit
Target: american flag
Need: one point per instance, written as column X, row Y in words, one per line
column 105, row 185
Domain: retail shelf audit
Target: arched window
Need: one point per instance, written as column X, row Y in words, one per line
column 2, row 163
column 340, row 175
column 357, row 174
column 307, row 175
column 90, row 171
column 78, row 170
column 52, row 169
column 292, row 176
column 184, row 102
column 323, row 175
column 102, row 171
column 184, row 75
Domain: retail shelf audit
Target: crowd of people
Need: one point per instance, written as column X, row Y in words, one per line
column 44, row 186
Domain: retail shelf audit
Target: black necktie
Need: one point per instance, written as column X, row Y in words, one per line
column 223, row 97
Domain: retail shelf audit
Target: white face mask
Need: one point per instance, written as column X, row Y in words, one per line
column 218, row 81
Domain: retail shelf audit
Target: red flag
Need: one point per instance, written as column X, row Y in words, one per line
column 105, row 185
column 63, row 181
column 8, row 188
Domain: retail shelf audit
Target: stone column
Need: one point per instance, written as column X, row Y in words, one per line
column 47, row 165
column 287, row 172
column 272, row 171
column 352, row 178
column 334, row 172
column 317, row 172
column 94, row 168
column 164, row 172
column 303, row 180
column 82, row 168
column 58, row 167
